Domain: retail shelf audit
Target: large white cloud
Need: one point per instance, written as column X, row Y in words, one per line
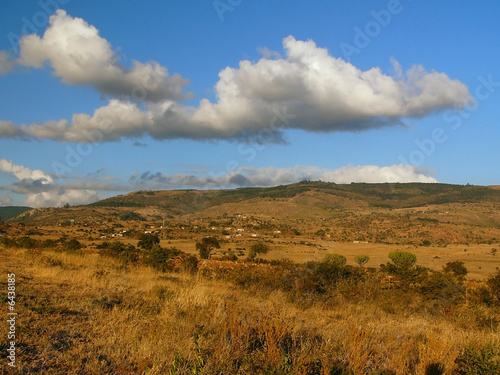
column 80, row 56
column 305, row 89
column 42, row 190
column 271, row 176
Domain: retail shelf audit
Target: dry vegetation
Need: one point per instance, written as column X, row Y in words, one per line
column 90, row 314
column 93, row 300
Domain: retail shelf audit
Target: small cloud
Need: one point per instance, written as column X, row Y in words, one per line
column 269, row 54
column 6, row 63
column 140, row 144
column 5, row 200
column 98, row 172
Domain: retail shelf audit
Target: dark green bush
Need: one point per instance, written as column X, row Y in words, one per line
column 148, row 240
column 73, row 245
column 160, row 258
column 479, row 360
column 493, row 283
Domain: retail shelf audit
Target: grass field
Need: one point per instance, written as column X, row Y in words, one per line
column 88, row 314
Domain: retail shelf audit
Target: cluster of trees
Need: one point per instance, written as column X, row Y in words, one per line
column 27, row 242
column 149, row 252
column 206, row 246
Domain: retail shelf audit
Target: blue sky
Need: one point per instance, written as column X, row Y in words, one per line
column 102, row 98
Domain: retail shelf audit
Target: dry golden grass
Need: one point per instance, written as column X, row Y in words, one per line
column 86, row 314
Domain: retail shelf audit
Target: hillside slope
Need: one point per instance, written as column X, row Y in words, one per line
column 9, row 212
column 384, row 213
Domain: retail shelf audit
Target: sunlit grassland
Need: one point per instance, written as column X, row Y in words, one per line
column 85, row 313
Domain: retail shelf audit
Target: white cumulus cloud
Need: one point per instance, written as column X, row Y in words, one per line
column 80, row 56
column 306, row 88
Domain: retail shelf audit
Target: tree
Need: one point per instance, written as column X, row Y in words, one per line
column 159, row 258
column 458, row 269
column 337, row 260
column 206, row 246
column 258, row 248
column 148, row 240
column 361, row 260
column 403, row 260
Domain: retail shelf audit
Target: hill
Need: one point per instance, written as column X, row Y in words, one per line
column 388, row 195
column 403, row 214
column 9, row 212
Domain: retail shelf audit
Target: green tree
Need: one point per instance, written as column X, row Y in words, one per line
column 258, row 248
column 361, row 260
column 403, row 260
column 148, row 240
column 159, row 258
column 458, row 269
column 337, row 260
column 206, row 246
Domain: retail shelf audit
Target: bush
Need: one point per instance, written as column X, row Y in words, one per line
column 160, row 258
column 479, row 360
column 73, row 245
column 442, row 289
column 258, row 248
column 148, row 240
column 458, row 269
column 126, row 253
column 337, row 260
column 493, row 283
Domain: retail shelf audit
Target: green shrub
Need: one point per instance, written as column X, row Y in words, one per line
column 148, row 240
column 73, row 245
column 442, row 289
column 479, row 360
column 402, row 259
column 258, row 248
column 361, row 260
column 458, row 269
column 160, row 258
column 334, row 260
